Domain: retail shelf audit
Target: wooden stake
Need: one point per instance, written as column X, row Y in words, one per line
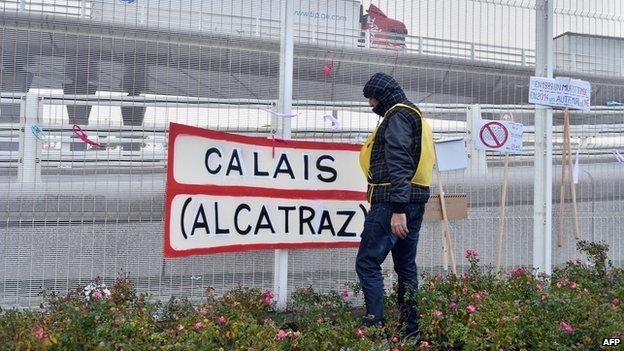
column 501, row 214
column 566, row 122
column 446, row 229
column 564, row 168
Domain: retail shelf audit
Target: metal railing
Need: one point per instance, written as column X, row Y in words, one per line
column 149, row 142
column 266, row 28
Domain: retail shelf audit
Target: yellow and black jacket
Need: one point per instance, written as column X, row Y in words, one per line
column 398, row 156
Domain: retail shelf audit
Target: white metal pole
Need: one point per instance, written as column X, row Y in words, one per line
column 282, row 128
column 478, row 164
column 542, row 195
column 29, row 169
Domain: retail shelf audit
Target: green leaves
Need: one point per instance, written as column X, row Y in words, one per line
column 572, row 310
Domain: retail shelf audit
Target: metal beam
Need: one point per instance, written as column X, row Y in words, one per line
column 542, row 194
column 282, row 129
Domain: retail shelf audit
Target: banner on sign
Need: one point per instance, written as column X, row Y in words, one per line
column 560, row 92
column 228, row 193
column 501, row 136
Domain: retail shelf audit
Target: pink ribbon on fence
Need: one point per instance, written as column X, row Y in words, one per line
column 275, row 140
column 83, row 136
column 328, row 69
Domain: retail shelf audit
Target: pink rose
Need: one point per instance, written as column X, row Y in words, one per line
column 424, row 345
column 476, row 296
column 359, row 333
column 539, row 287
column 344, row 293
column 542, row 297
column 267, row 297
column 97, row 295
column 518, row 272
column 464, row 290
column 452, row 305
column 394, row 339
column 437, row 313
column 203, row 311
column 471, row 309
column 280, row 335
column 472, row 253
column 222, row 320
column 572, row 285
column 566, row 327
column 615, row 302
column 38, row 331
column 199, row 325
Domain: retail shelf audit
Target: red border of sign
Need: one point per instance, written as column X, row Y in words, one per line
column 174, row 188
column 486, row 125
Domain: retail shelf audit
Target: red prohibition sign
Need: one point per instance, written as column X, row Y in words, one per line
column 493, row 134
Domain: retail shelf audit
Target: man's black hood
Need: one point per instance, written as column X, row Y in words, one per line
column 386, row 90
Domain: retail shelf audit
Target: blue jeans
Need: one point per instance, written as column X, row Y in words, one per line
column 376, row 242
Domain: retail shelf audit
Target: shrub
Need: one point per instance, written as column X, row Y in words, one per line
column 574, row 309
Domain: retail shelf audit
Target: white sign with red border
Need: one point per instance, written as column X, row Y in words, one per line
column 501, row 136
column 230, row 193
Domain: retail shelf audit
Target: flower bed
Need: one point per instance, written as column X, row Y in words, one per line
column 572, row 310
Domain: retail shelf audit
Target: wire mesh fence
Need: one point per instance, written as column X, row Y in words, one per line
column 122, row 70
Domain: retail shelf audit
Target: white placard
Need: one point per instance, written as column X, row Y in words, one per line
column 451, row 154
column 560, row 92
column 230, row 193
column 501, row 136
column 203, row 161
column 208, row 222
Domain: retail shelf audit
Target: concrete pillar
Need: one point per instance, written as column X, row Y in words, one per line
column 81, row 71
column 134, row 82
column 14, row 78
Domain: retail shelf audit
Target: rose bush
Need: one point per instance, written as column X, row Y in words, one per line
column 574, row 309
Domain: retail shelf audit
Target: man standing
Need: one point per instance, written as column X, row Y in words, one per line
column 397, row 160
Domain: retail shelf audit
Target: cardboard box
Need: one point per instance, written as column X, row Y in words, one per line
column 456, row 207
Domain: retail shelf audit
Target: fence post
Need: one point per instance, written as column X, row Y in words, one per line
column 281, row 126
column 83, row 8
column 478, row 164
column 29, row 171
column 542, row 195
